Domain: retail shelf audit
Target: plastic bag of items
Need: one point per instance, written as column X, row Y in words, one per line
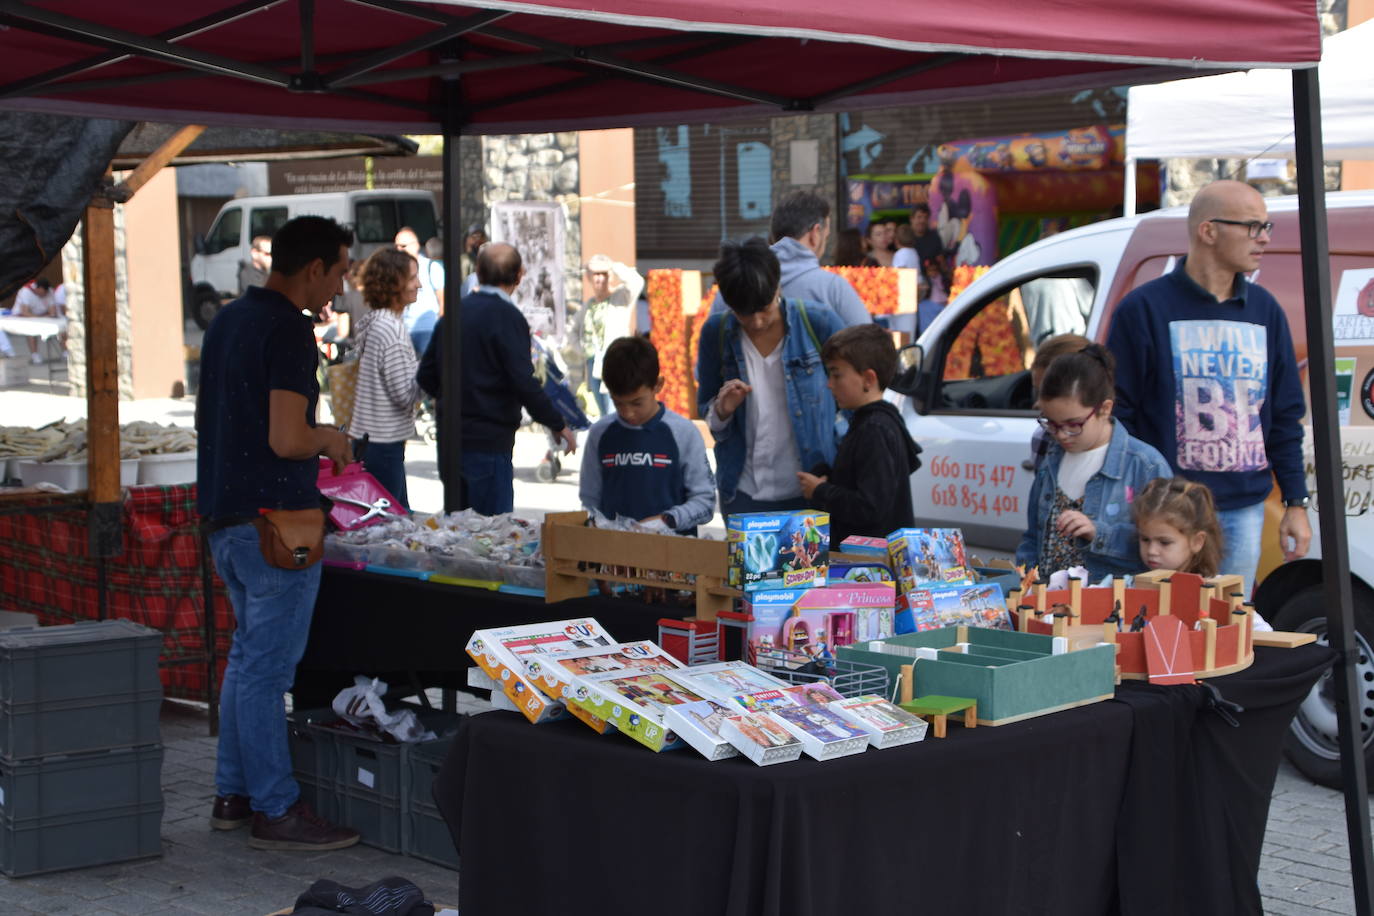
column 361, row 706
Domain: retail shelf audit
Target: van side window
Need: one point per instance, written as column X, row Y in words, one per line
column 266, row 221
column 225, row 233
column 376, row 221
column 418, row 215
column 987, row 364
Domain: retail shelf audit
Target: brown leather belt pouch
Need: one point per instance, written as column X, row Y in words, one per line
column 291, row 538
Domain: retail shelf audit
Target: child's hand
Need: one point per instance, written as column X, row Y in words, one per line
column 730, row 396
column 1076, row 524
column 809, row 483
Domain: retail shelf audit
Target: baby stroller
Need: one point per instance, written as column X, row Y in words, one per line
column 552, row 372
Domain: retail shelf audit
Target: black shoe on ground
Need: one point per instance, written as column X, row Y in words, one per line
column 299, row 828
column 230, row 812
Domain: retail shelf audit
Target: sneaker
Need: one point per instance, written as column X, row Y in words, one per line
column 230, row 812
column 299, row 828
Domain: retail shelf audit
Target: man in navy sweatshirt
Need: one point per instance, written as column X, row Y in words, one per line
column 1218, row 348
column 498, row 379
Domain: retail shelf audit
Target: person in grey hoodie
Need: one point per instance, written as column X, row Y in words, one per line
column 801, row 228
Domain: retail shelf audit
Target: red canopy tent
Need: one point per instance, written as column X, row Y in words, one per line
column 506, row 67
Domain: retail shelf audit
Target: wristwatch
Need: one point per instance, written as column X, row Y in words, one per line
column 1302, row 502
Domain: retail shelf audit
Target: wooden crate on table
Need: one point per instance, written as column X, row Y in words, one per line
column 575, row 556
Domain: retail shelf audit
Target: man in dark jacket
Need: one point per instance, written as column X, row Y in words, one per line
column 868, row 491
column 497, row 380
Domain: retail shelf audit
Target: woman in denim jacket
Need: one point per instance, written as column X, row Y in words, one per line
column 1080, row 504
column 761, row 384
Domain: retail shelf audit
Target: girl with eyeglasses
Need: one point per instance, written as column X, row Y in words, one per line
column 1080, row 504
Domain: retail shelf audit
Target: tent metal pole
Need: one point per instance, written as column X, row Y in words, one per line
column 1316, row 285
column 1128, row 191
column 451, row 345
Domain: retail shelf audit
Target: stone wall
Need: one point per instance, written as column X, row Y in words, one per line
column 73, row 274
column 805, row 130
column 538, row 167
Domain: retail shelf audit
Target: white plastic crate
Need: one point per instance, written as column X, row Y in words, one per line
column 167, row 469
column 71, row 475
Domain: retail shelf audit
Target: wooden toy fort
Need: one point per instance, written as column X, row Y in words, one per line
column 1210, row 633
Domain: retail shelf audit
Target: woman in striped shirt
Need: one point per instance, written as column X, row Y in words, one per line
column 384, row 406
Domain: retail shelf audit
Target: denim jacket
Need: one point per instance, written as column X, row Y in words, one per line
column 808, row 399
column 1115, row 549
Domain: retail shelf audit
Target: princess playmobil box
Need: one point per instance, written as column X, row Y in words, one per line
column 927, row 558
column 778, row 549
column 981, row 605
column 812, row 621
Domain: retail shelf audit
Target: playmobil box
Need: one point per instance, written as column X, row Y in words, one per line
column 927, row 558
column 812, row 621
column 769, row 550
column 858, row 570
column 981, row 605
column 859, row 545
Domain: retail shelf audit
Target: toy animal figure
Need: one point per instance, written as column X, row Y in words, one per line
column 1060, row 609
column 1138, row 622
column 1115, row 616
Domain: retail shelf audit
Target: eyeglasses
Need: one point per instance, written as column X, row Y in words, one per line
column 1068, row 427
column 1252, row 226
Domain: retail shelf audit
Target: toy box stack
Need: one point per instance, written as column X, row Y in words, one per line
column 935, row 586
column 792, row 605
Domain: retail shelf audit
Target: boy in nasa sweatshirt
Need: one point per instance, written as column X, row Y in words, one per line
column 644, row 461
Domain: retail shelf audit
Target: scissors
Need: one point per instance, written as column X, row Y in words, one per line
column 374, row 509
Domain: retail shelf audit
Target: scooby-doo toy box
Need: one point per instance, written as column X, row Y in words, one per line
column 778, row 549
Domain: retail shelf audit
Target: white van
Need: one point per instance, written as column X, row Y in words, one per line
column 375, row 217
column 969, row 404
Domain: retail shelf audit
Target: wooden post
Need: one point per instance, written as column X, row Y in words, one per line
column 1040, row 598
column 1109, row 633
column 1166, row 591
column 1061, row 624
column 1209, row 643
column 1076, row 596
column 908, row 676
column 1119, row 591
column 1024, row 613
column 102, row 375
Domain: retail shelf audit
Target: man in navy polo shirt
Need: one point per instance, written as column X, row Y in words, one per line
column 259, row 449
column 1205, row 372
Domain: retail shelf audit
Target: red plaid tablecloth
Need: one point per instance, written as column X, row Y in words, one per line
column 46, row 569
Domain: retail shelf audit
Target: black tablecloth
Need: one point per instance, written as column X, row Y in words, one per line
column 394, row 627
column 1145, row 804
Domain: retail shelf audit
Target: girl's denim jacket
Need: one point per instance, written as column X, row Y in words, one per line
column 720, row 357
column 1115, row 549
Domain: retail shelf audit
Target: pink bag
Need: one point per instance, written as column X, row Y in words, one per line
column 359, row 500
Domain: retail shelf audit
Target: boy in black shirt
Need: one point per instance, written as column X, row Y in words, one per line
column 868, row 491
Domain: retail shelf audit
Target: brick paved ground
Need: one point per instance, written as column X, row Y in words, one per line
column 1305, row 869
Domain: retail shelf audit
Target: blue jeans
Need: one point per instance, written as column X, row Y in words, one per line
column 598, row 393
column 489, row 481
column 272, row 610
column 386, row 461
column 743, row 502
column 1242, row 531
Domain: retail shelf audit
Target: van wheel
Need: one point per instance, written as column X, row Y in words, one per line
column 1311, row 743
column 204, row 309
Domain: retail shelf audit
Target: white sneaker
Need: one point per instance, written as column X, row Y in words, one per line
column 36, row 359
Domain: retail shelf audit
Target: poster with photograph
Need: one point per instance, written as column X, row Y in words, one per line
column 536, row 228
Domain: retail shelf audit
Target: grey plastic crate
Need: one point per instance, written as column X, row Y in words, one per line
column 427, row 835
column 315, row 759
column 44, row 844
column 78, row 661
column 80, row 784
column 45, row 728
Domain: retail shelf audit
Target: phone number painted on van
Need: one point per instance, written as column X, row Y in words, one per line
column 978, row 496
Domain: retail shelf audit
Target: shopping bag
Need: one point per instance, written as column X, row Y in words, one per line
column 343, row 390
column 354, row 492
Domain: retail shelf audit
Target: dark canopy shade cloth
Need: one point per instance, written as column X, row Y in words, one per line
column 393, row 627
column 1148, row 804
column 577, row 64
column 236, row 144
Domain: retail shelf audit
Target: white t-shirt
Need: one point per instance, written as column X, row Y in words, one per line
column 906, row 257
column 1077, row 468
column 771, row 462
column 31, row 303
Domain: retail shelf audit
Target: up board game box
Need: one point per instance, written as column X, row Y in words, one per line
column 981, row 605
column 723, row 681
column 556, row 673
column 927, row 558
column 778, row 549
column 502, row 653
column 699, row 724
column 761, row 738
column 812, row 621
column 635, row 703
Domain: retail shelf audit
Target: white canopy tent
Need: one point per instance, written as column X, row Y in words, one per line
column 1249, row 114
